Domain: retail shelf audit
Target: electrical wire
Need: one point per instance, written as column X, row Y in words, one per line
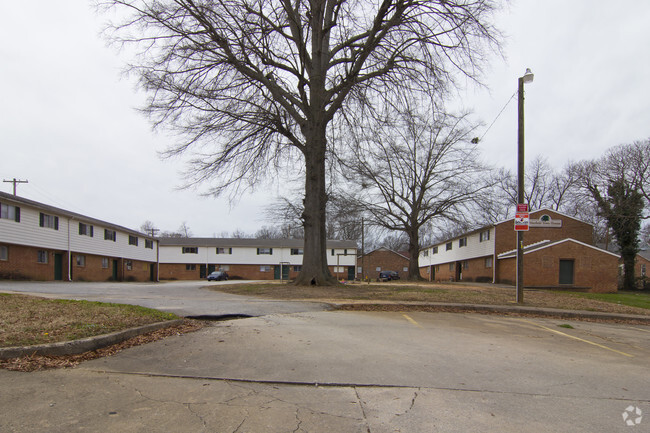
column 496, row 118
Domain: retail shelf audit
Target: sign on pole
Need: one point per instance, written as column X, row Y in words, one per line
column 522, row 207
column 522, row 220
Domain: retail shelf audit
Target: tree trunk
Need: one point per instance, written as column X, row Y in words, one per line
column 628, row 270
column 414, row 255
column 314, row 262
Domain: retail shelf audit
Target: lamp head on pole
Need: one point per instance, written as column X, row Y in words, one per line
column 528, row 76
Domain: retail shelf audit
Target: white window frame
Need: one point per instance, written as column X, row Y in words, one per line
column 42, row 257
column 4, row 253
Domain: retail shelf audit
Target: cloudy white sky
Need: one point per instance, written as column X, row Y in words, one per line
column 68, row 119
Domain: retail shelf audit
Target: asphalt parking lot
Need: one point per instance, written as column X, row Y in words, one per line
column 352, row 372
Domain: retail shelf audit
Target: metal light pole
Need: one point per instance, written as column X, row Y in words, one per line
column 527, row 78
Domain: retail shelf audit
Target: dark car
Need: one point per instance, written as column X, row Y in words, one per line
column 218, row 276
column 388, row 276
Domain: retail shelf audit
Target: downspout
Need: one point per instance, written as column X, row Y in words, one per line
column 69, row 253
column 157, row 260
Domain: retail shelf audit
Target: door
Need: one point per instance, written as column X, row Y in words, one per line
column 202, row 273
column 432, row 273
column 351, row 273
column 152, row 272
column 114, row 270
column 58, row 267
column 566, row 271
column 285, row 272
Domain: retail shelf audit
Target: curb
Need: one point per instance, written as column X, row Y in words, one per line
column 82, row 345
column 504, row 309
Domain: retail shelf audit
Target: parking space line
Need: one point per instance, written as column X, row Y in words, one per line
column 413, row 322
column 639, row 329
column 577, row 338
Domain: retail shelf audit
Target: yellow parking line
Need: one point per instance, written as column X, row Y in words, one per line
column 406, row 316
column 639, row 329
column 577, row 338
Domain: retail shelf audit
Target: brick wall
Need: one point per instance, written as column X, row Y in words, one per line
column 593, row 269
column 475, row 270
column 506, row 237
column 386, row 260
column 22, row 264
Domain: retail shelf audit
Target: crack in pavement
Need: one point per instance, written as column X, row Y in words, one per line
column 363, row 411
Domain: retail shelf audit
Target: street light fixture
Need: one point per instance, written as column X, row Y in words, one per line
column 527, row 78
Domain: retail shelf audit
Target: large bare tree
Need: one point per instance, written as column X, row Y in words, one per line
column 248, row 81
column 415, row 166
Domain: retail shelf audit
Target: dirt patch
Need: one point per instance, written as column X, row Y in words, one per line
column 462, row 293
column 36, row 363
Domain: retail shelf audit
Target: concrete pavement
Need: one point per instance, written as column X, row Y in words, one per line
column 351, row 372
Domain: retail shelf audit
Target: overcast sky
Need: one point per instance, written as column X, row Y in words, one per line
column 68, row 119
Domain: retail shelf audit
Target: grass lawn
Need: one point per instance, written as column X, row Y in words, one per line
column 464, row 293
column 633, row 299
column 27, row 320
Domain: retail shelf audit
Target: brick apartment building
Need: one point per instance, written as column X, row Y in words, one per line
column 42, row 242
column 382, row 259
column 558, row 253
column 258, row 259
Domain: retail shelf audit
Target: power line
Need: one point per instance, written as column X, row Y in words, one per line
column 477, row 139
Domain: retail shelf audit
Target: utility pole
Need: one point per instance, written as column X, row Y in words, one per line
column 15, row 181
column 527, row 78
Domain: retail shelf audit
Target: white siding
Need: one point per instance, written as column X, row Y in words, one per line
column 28, row 232
column 245, row 255
column 474, row 248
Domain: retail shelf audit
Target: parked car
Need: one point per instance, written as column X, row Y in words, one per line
column 218, row 276
column 388, row 276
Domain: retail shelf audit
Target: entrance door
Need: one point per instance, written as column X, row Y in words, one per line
column 285, row 272
column 351, row 273
column 58, row 267
column 566, row 271
column 114, row 270
column 152, row 272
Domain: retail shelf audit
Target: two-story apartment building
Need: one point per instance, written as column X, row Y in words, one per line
column 558, row 252
column 259, row 259
column 42, row 242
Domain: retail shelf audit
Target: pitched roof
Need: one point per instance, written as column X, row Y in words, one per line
column 4, row 197
column 389, row 250
column 547, row 244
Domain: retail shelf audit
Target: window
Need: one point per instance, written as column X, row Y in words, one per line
column 224, row 250
column 488, row 262
column 298, row 268
column 425, row 253
column 462, row 242
column 405, row 269
column 4, row 253
column 333, row 251
column 190, row 250
column 465, row 264
column 104, row 262
column 190, row 267
column 339, row 269
column 435, row 250
column 451, row 266
column 133, row 240
column 224, row 267
column 42, row 256
column 261, row 251
column 85, row 230
column 297, row 251
column 148, row 243
column 9, row 212
column 345, row 252
column 378, row 269
column 448, row 246
column 265, row 269
column 484, row 236
column 129, row 265
column 110, row 235
column 642, row 269
column 48, row 221
column 81, row 260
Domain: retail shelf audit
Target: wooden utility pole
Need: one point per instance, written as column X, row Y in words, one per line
column 15, row 182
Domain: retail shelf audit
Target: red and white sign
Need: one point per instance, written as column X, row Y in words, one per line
column 522, row 220
column 522, row 207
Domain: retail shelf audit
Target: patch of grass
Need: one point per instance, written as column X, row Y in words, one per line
column 565, row 325
column 632, row 299
column 27, row 320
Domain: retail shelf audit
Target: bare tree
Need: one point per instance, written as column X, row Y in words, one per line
column 184, row 230
column 414, row 167
column 148, row 227
column 247, row 81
